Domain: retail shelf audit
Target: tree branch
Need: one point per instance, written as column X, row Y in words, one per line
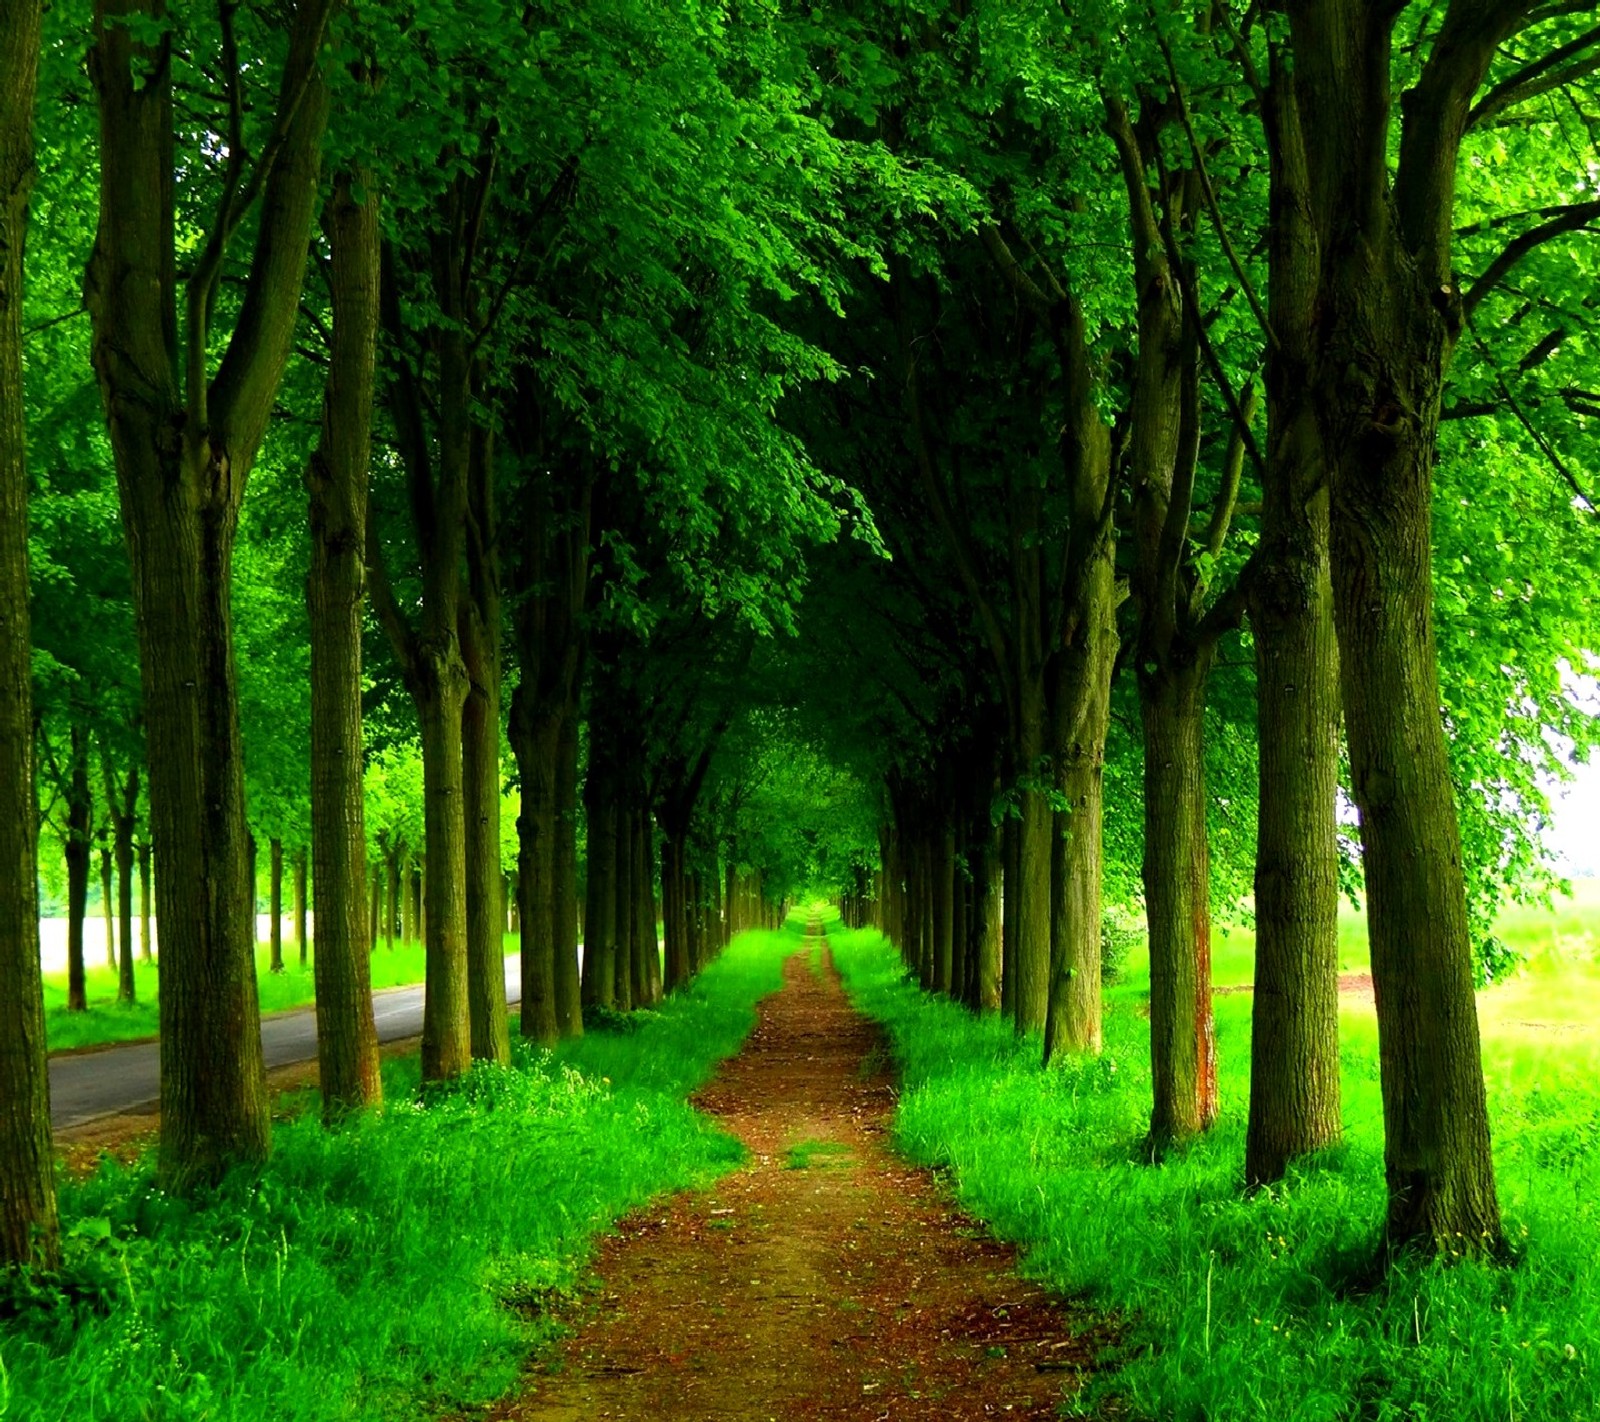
column 1569, row 219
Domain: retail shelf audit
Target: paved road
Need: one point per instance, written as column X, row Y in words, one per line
column 120, row 1078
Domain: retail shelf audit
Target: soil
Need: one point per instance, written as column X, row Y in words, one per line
column 824, row 1279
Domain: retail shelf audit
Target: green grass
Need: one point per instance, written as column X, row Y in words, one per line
column 398, row 1268
column 1234, row 1307
column 108, row 1020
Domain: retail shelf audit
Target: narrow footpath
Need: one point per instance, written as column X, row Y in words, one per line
column 825, row 1279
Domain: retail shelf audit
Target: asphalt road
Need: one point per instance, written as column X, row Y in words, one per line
column 93, row 1084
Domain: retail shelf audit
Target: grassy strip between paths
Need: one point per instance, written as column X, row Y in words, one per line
column 106, row 1020
column 397, row 1268
column 1233, row 1306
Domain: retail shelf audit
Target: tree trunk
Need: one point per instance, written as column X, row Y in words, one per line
column 108, row 903
column 183, row 454
column 301, row 938
column 446, row 1024
column 599, row 919
column 1035, row 831
column 1183, row 1055
column 28, row 1230
column 1082, row 716
column 622, row 910
column 122, row 847
column 336, row 485
column 391, row 919
column 1011, row 866
column 275, row 898
column 480, row 751
column 564, row 877
column 1294, row 1042
column 674, row 909
column 376, row 912
column 644, row 907
column 989, row 889
column 146, row 942
column 80, row 814
column 536, row 745
column 943, row 849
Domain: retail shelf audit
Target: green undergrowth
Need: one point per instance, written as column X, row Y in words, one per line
column 106, row 1020
column 398, row 1268
column 1230, row 1306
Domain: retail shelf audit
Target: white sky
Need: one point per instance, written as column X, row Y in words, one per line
column 1575, row 831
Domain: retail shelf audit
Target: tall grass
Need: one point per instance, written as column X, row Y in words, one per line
column 393, row 1269
column 1239, row 1307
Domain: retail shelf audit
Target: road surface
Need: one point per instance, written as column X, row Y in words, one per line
column 93, row 1084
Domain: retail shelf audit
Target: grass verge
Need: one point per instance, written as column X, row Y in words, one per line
column 394, row 1269
column 1233, row 1305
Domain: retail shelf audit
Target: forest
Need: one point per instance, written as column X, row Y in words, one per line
column 978, row 605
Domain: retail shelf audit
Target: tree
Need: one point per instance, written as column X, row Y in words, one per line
column 184, row 440
column 28, row 1231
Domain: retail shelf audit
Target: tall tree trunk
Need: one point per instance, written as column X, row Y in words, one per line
column 989, row 888
column 183, row 454
column 108, row 902
column 1294, row 1041
column 27, row 1179
column 1183, row 1057
column 146, row 943
column 943, row 849
column 80, row 826
column 301, row 937
column 446, row 1025
column 622, row 910
column 1081, row 719
column 1035, row 831
column 564, row 876
column 535, row 742
column 674, row 908
column 480, row 751
column 1011, row 871
column 336, row 485
column 599, row 919
column 391, row 919
column 376, row 913
column 275, row 899
column 122, row 843
column 1388, row 315
column 644, row 907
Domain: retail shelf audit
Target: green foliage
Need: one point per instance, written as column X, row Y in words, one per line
column 1233, row 1306
column 396, row 1268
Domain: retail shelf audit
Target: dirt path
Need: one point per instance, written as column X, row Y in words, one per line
column 826, row 1279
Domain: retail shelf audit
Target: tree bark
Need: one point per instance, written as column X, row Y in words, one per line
column 644, row 908
column 537, row 747
column 275, row 899
column 989, row 890
column 1294, row 1042
column 943, row 849
column 564, row 873
column 336, row 485
column 183, row 454
column 1082, row 717
column 674, row 909
column 122, row 850
column 146, row 942
column 1177, row 904
column 301, row 938
column 28, row 1228
column 1010, row 872
column 599, row 919
column 446, row 1024
column 80, row 826
column 480, row 650
column 1388, row 313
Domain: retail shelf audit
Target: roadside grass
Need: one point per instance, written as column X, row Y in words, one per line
column 108, row 1020
column 398, row 1268
column 1239, row 1307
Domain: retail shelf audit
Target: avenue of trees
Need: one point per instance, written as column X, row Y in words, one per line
column 569, row 467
